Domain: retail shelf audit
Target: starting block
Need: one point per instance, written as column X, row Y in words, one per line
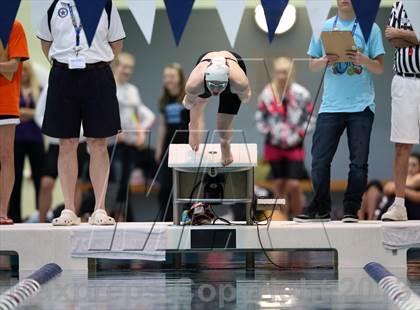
column 200, row 176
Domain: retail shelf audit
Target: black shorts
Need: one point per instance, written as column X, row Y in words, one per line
column 288, row 169
column 50, row 167
column 229, row 103
column 76, row 97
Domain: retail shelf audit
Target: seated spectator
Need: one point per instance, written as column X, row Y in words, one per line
column 136, row 119
column 28, row 141
column 377, row 200
column 371, row 200
column 283, row 115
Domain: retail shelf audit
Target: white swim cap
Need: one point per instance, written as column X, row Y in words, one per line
column 217, row 70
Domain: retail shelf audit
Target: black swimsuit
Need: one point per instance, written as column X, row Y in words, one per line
column 229, row 103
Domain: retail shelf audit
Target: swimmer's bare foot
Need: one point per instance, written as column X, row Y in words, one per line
column 194, row 139
column 227, row 157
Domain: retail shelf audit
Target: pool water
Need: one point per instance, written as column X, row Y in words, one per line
column 216, row 281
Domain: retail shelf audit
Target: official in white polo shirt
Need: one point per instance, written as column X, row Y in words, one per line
column 81, row 91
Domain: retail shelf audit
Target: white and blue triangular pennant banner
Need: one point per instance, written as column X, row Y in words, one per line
column 90, row 13
column 144, row 12
column 366, row 11
column 38, row 11
column 231, row 12
column 178, row 14
column 8, row 13
column 412, row 8
column 273, row 10
column 318, row 12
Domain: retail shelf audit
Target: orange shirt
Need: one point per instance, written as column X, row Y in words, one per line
column 10, row 90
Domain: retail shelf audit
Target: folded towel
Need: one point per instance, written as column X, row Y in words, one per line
column 127, row 241
column 401, row 235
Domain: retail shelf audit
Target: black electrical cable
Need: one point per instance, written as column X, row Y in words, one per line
column 258, row 224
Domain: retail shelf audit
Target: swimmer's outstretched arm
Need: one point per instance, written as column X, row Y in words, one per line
column 196, row 124
column 239, row 83
column 194, row 86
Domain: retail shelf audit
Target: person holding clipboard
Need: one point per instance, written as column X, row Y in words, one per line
column 348, row 104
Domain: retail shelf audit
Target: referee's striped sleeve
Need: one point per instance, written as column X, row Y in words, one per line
column 392, row 18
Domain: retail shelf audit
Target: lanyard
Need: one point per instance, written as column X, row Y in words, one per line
column 77, row 29
column 354, row 26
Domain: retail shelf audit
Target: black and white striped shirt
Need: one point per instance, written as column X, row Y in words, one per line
column 407, row 59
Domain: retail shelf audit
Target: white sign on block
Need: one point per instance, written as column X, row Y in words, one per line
column 209, row 156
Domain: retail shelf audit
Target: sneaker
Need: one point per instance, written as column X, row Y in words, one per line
column 307, row 216
column 350, row 218
column 395, row 213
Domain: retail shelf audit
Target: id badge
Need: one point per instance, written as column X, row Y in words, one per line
column 78, row 62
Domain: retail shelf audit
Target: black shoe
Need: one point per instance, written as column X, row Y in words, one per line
column 350, row 212
column 350, row 218
column 307, row 216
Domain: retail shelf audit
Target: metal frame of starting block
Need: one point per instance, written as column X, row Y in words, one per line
column 190, row 168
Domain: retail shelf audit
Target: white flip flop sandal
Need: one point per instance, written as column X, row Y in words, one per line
column 66, row 218
column 100, row 217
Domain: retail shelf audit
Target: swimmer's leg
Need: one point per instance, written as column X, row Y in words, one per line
column 224, row 125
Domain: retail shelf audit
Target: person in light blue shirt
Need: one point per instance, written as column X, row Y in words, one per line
column 348, row 103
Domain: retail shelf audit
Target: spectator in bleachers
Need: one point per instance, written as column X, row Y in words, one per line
column 10, row 77
column 136, row 120
column 173, row 128
column 28, row 141
column 376, row 201
column 283, row 116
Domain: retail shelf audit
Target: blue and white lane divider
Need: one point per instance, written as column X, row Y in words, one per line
column 397, row 291
column 28, row 287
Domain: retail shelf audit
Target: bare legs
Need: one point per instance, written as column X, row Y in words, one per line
column 224, row 126
column 45, row 197
column 99, row 170
column 369, row 204
column 291, row 190
column 294, row 193
column 7, row 170
column 402, row 154
column 67, row 171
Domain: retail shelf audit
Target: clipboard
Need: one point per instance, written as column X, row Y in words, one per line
column 4, row 56
column 338, row 43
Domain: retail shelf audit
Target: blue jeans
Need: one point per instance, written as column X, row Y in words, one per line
column 329, row 129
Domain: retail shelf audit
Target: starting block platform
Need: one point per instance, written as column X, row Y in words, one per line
column 193, row 172
column 356, row 244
